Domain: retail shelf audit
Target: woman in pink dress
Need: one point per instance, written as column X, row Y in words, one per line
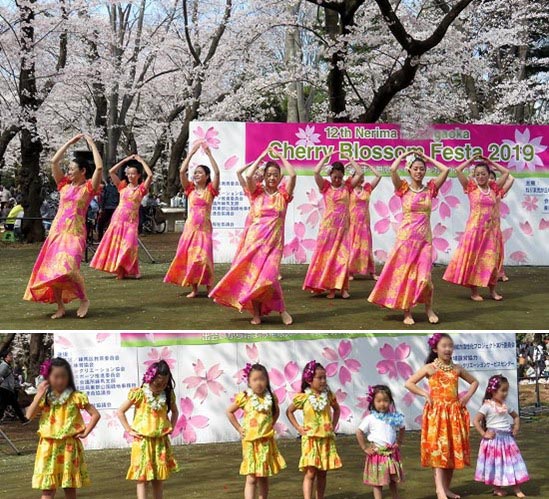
column 252, row 281
column 193, row 263
column 329, row 267
column 497, row 214
column 476, row 261
column 361, row 254
column 56, row 276
column 118, row 251
column 405, row 279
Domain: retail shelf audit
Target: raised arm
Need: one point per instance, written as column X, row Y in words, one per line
column 318, row 168
column 56, row 169
column 463, row 179
column 240, row 176
column 113, row 172
column 148, row 181
column 98, row 161
column 34, row 408
column 503, row 171
column 358, row 175
column 395, row 177
column 185, row 165
column 292, row 177
column 443, row 169
column 507, row 186
column 215, row 167
column 250, row 180
column 374, row 183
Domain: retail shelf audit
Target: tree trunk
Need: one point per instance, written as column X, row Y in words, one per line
column 336, row 76
column 6, row 341
column 37, row 354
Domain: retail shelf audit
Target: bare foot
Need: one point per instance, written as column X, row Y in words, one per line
column 441, row 495
column 256, row 321
column 476, row 297
column 499, row 492
column 408, row 319
column 518, row 492
column 375, row 277
column 345, row 294
column 331, row 295
column 432, row 317
column 287, row 319
column 280, row 277
column 83, row 308
column 496, row 296
column 59, row 313
column 351, row 278
column 451, row 495
column 192, row 294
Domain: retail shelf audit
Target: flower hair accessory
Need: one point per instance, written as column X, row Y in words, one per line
column 45, row 368
column 370, row 396
column 493, row 384
column 433, row 340
column 410, row 159
column 150, row 374
column 309, row 372
column 246, row 371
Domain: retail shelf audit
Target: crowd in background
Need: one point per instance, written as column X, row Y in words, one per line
column 533, row 359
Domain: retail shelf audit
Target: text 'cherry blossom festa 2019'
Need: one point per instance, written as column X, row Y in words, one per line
column 207, row 369
column 522, row 149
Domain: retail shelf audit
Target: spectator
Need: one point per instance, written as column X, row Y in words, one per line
column 15, row 213
column 109, row 202
column 9, row 388
column 538, row 358
column 5, row 196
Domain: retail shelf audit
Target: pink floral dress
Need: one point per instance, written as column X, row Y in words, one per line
column 361, row 256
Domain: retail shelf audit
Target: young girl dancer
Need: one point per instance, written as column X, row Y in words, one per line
column 193, row 263
column 320, row 418
column 329, row 267
column 361, row 254
column 475, row 262
column 56, row 276
column 384, row 429
column 497, row 214
column 445, row 424
column 118, row 251
column 405, row 279
column 60, row 460
column 499, row 462
column 252, row 281
column 260, row 456
column 152, row 458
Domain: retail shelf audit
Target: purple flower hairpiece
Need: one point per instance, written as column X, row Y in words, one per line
column 309, row 371
column 150, row 374
column 370, row 396
column 433, row 340
column 493, row 384
column 246, row 371
column 45, row 368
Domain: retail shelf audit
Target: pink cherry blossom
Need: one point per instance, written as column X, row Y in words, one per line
column 393, row 363
column 215, row 240
column 363, row 403
column 307, row 136
column 530, row 203
column 313, row 209
column 419, row 420
column 348, row 365
column 439, row 243
column 111, row 418
column 346, row 414
column 187, row 423
column 526, row 228
column 503, row 209
column 543, row 224
column 62, row 341
column 522, row 139
column 380, row 255
column 409, row 397
column 445, row 201
column 234, row 236
column 391, row 214
column 209, row 137
column 519, row 257
column 285, row 383
column 204, row 381
column 155, row 355
column 506, row 234
column 101, row 337
column 281, row 429
column 230, row 163
column 299, row 246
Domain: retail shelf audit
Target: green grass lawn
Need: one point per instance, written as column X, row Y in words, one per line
column 151, row 304
column 211, row 471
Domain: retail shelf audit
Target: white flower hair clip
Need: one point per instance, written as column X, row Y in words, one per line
column 410, row 159
column 328, row 169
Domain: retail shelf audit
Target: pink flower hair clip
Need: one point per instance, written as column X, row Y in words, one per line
column 309, row 372
column 493, row 384
column 45, row 368
column 246, row 371
column 150, row 374
column 370, row 396
column 433, row 340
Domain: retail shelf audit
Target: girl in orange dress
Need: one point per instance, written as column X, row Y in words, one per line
column 445, row 424
column 476, row 261
column 329, row 267
column 361, row 251
column 56, row 276
column 118, row 251
column 193, row 263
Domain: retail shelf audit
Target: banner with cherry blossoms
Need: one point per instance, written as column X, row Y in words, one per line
column 523, row 149
column 207, row 371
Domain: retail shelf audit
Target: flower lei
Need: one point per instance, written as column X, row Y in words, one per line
column 157, row 402
column 259, row 406
column 499, row 408
column 392, row 418
column 61, row 399
column 433, row 340
column 318, row 402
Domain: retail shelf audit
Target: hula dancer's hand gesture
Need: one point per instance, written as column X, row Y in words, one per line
column 318, row 169
column 358, row 175
column 395, row 177
column 463, row 179
column 501, row 169
column 183, row 177
column 251, row 182
column 41, row 391
column 215, row 167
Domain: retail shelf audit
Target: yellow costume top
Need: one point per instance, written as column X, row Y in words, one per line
column 258, row 414
column 317, row 414
column 61, row 417
column 151, row 412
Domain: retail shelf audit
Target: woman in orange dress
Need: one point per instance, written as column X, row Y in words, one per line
column 193, row 263
column 118, row 251
column 56, row 276
column 329, row 267
column 361, row 251
column 445, row 423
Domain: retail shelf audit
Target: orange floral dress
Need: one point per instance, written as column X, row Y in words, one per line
column 445, row 425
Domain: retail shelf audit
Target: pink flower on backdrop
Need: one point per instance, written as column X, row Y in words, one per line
column 281, row 429
column 530, row 203
column 285, row 383
column 445, row 201
column 234, row 236
column 390, row 213
column 230, row 163
column 458, row 236
column 346, row 413
column 209, row 136
column 87, row 418
column 521, row 140
column 313, row 209
column 112, row 419
column 215, row 240
column 239, row 413
column 419, row 420
column 519, row 257
column 439, row 243
column 393, row 363
column 204, row 381
column 506, row 234
column 409, row 397
column 526, row 228
column 348, row 365
column 363, row 403
column 252, row 353
column 63, row 341
column 503, row 209
column 307, row 136
column 299, row 246
column 187, row 424
column 101, row 337
column 543, row 224
column 165, row 354
column 380, row 255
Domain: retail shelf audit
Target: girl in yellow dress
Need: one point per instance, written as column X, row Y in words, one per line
column 320, row 418
column 152, row 458
column 260, row 456
column 445, row 423
column 59, row 460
